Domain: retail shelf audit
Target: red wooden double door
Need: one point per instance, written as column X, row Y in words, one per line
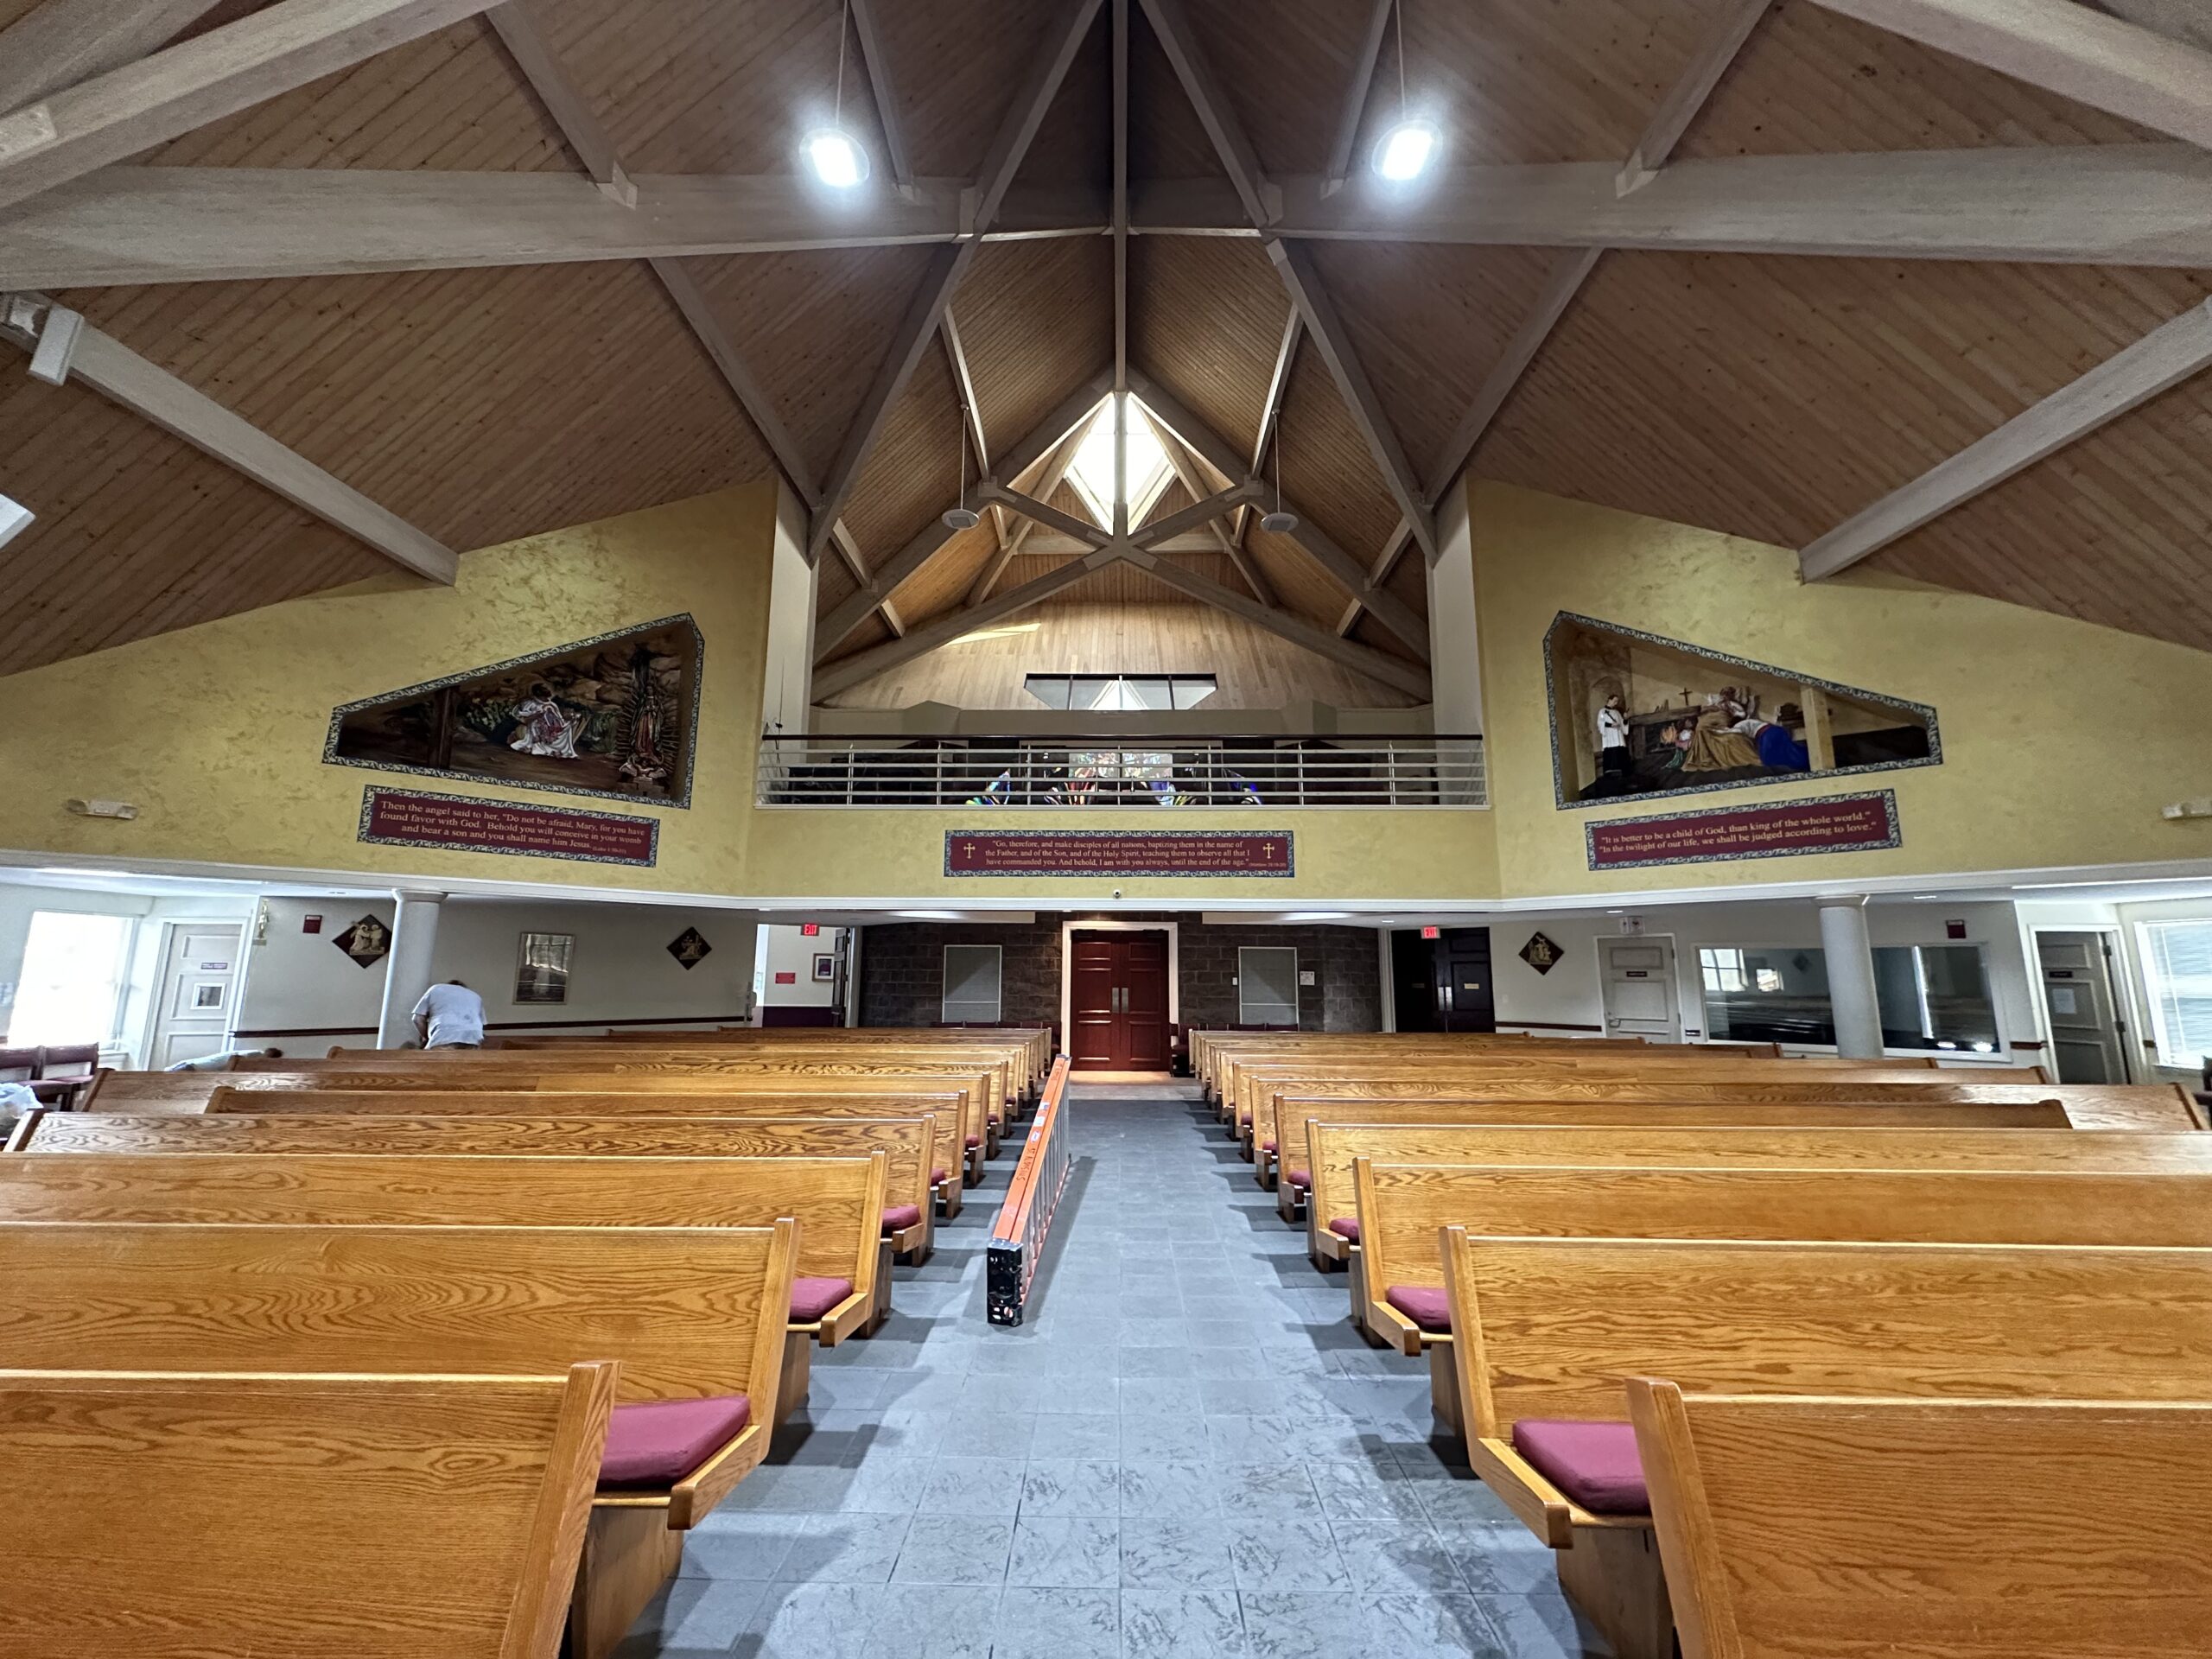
column 1117, row 1002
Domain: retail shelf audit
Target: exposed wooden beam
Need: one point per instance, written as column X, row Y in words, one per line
column 1271, row 410
column 1043, row 512
column 2148, row 79
column 1560, row 290
column 849, row 550
column 1344, row 569
column 2178, row 20
column 1121, row 20
column 1058, row 435
column 2159, row 362
column 876, row 591
column 1724, row 41
column 1205, row 512
column 120, row 374
column 1019, row 534
column 877, row 62
column 523, row 33
column 842, row 676
column 1363, row 82
column 2081, row 204
column 1210, row 99
column 956, row 355
column 1186, row 469
column 64, row 42
column 946, row 266
column 1287, row 624
column 1400, row 538
column 135, row 106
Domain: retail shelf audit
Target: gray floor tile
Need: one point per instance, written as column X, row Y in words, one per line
column 1286, row 1555
column 1058, row 1624
column 1171, row 1623
column 845, row 1549
column 693, row 1617
column 963, row 1549
column 1067, row 1435
column 966, row 1485
column 1543, row 1627
column 1065, row 1552
column 1169, row 1490
column 1193, row 1553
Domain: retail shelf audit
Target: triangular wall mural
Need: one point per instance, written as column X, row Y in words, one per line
column 1635, row 714
column 616, row 715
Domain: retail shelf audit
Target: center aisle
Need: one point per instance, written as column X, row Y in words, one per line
column 1187, row 1451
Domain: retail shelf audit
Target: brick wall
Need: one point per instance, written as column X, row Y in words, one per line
column 902, row 970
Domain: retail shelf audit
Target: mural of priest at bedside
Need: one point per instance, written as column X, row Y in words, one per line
column 1651, row 715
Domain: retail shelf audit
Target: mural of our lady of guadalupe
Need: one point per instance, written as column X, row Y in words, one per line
column 613, row 715
column 1633, row 714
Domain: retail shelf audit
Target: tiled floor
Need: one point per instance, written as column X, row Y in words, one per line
column 1184, row 1452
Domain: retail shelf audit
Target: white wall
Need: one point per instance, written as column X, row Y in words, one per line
column 1570, row 1000
column 303, row 994
column 788, row 685
column 791, row 952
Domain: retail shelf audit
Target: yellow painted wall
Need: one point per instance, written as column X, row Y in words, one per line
column 2061, row 740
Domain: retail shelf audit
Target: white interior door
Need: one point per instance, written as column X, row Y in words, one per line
column 2087, row 1035
column 200, row 977
column 1640, row 998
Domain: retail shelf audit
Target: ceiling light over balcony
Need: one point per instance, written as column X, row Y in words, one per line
column 1406, row 151
column 837, row 158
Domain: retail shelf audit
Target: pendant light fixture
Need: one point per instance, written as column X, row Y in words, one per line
column 963, row 516
column 1407, row 147
column 838, row 159
column 1278, row 522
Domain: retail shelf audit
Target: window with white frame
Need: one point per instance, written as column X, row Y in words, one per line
column 75, row 966
column 971, row 984
column 1267, row 985
column 2178, row 974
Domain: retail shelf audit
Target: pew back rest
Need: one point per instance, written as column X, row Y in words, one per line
column 837, row 1202
column 1783, row 1521
column 1552, row 1327
column 1403, row 1209
column 319, row 1517
column 688, row 1311
column 1408, row 1132
column 905, row 1142
column 2159, row 1108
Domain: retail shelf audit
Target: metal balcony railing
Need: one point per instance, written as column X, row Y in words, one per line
column 1089, row 772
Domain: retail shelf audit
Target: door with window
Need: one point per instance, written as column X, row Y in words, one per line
column 1640, row 999
column 1117, row 1002
column 2088, row 1038
column 193, row 1015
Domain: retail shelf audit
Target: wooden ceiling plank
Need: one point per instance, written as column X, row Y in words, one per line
column 1355, row 96
column 1277, row 383
column 1120, row 21
column 2159, row 362
column 117, row 373
column 65, row 42
column 872, row 591
column 1716, row 53
column 1179, row 41
column 1210, row 509
column 521, row 32
column 2110, row 65
column 842, row 676
column 1043, row 512
column 946, row 267
column 1365, row 659
column 1179, row 459
column 140, row 103
column 877, row 63
column 956, row 354
column 1055, row 469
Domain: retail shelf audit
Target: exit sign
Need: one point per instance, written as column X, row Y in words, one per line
column 1432, row 932
column 809, row 930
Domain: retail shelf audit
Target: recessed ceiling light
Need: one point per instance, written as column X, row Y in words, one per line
column 1406, row 149
column 837, row 158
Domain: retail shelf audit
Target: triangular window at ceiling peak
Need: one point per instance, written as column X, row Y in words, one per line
column 1092, row 471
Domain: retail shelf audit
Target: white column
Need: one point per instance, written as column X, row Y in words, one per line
column 407, row 970
column 1850, row 975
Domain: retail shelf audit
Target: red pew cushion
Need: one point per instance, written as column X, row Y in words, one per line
column 657, row 1442
column 1298, row 1177
column 1347, row 1227
column 1267, row 1146
column 901, row 1215
column 974, row 1140
column 812, row 1298
column 937, row 1176
column 1425, row 1305
column 1594, row 1463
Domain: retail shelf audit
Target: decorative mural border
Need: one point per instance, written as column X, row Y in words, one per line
column 1289, row 837
column 332, row 758
column 1887, row 797
column 1567, row 803
column 370, row 793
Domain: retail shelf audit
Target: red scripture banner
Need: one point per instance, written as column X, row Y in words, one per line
column 1118, row 852
column 1841, row 824
column 402, row 818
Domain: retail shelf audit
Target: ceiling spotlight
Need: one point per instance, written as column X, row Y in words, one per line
column 1405, row 150
column 1278, row 522
column 837, row 158
column 962, row 519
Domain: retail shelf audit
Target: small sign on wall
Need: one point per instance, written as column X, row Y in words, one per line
column 1955, row 930
column 1305, row 976
column 785, row 977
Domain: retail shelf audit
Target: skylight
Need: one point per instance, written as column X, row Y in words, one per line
column 1093, row 474
column 13, row 517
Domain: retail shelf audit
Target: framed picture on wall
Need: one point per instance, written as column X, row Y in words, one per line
column 825, row 965
column 542, row 967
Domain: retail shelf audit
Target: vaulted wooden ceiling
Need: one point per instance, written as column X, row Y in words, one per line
column 1783, row 319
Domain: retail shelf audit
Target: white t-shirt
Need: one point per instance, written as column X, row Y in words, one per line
column 456, row 1015
column 1612, row 729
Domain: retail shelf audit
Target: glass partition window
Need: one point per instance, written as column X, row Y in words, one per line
column 74, row 968
column 1267, row 985
column 1932, row 997
column 971, row 984
column 1120, row 692
column 2177, row 973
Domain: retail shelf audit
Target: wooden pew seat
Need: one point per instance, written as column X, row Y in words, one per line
column 362, row 1517
column 1795, row 1525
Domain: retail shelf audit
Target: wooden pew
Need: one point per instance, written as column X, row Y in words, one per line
column 1328, row 1182
column 1934, row 1527
column 907, row 1144
column 1402, row 1210
column 318, row 1517
column 1212, row 1051
column 1550, row 1329
column 691, row 1314
column 2160, row 1106
column 1030, row 1047
column 837, row 1202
